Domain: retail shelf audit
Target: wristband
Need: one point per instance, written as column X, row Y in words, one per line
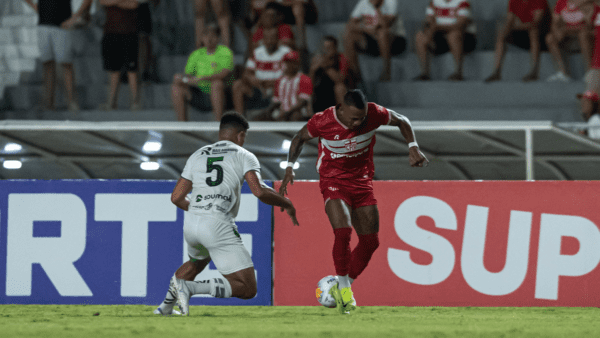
column 290, row 165
column 412, row 144
column 185, row 79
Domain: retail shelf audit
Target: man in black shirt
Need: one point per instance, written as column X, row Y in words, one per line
column 56, row 45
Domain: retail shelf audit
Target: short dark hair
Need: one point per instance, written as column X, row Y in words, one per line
column 235, row 121
column 331, row 38
column 356, row 98
column 213, row 27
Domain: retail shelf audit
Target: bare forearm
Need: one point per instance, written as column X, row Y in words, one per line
column 182, row 204
column 295, row 149
column 269, row 196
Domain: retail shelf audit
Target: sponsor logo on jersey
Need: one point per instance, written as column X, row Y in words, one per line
column 206, row 151
column 336, row 155
column 199, row 198
column 203, row 207
column 216, row 197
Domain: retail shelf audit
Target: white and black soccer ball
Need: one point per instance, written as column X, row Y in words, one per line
column 323, row 287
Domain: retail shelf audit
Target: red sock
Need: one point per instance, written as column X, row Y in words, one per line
column 341, row 250
column 361, row 255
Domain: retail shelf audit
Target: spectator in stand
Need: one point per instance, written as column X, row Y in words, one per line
column 295, row 12
column 120, row 49
column 292, row 93
column 262, row 71
column 146, row 62
column 449, row 27
column 572, row 19
column 270, row 20
column 55, row 42
column 376, row 29
column 526, row 25
column 223, row 19
column 589, row 101
column 207, row 75
column 329, row 73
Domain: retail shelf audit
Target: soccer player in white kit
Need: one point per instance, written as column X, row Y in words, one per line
column 214, row 175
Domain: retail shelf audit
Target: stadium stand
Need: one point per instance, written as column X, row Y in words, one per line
column 509, row 99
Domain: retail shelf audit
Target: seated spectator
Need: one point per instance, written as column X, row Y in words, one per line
column 375, row 29
column 222, row 15
column 329, row 72
column 572, row 19
column 449, row 27
column 262, row 71
column 292, row 93
column 120, row 49
column 270, row 20
column 56, row 45
column 207, row 75
column 295, row 12
column 590, row 113
column 526, row 26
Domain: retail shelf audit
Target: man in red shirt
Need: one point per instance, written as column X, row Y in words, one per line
column 346, row 135
column 292, row 93
column 270, row 21
column 526, row 25
column 572, row 19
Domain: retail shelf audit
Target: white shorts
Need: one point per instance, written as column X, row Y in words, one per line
column 55, row 44
column 207, row 236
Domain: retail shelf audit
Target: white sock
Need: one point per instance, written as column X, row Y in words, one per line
column 201, row 287
column 220, row 288
column 344, row 282
column 168, row 303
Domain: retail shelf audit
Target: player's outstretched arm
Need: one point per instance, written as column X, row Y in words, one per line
column 269, row 196
column 295, row 149
column 180, row 192
column 415, row 156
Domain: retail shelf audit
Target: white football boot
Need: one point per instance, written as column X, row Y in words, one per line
column 183, row 296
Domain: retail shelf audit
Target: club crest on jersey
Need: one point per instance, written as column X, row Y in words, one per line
column 337, row 137
column 350, row 144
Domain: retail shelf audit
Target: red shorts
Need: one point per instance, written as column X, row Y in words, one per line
column 356, row 193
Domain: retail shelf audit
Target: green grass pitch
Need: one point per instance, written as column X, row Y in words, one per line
column 118, row 321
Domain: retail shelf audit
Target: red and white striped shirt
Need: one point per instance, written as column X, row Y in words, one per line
column 573, row 15
column 267, row 66
column 289, row 90
column 446, row 12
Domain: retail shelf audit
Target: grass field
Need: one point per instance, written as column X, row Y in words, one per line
column 118, row 321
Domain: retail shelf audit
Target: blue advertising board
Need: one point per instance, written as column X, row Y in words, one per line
column 109, row 242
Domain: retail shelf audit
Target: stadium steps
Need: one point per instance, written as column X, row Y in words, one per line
column 101, row 116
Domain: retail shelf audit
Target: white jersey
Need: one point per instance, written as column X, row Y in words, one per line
column 217, row 174
column 368, row 13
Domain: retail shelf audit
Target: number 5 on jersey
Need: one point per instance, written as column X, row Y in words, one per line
column 210, row 166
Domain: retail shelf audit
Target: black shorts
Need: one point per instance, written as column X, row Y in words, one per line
column 310, row 13
column 441, row 43
column 201, row 101
column 144, row 19
column 398, row 46
column 521, row 40
column 120, row 52
column 237, row 9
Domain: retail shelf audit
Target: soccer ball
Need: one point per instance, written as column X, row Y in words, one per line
column 323, row 287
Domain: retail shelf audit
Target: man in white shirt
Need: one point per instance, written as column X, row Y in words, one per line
column 263, row 69
column 449, row 27
column 374, row 28
column 214, row 175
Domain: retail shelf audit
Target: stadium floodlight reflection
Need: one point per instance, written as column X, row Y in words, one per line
column 286, row 145
column 12, row 147
column 153, row 142
column 283, row 165
column 149, row 165
column 12, row 164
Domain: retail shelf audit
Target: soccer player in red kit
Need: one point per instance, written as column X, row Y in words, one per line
column 346, row 135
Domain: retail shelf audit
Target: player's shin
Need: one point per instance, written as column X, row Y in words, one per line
column 361, row 255
column 341, row 250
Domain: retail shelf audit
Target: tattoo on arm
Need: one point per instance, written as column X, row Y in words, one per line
column 403, row 123
column 297, row 143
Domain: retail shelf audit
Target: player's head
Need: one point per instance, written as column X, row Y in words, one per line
column 211, row 36
column 233, row 128
column 353, row 110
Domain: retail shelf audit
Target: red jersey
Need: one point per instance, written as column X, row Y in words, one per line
column 288, row 90
column 524, row 9
column 572, row 14
column 345, row 153
column 284, row 33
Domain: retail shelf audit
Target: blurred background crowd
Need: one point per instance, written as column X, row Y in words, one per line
column 284, row 60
